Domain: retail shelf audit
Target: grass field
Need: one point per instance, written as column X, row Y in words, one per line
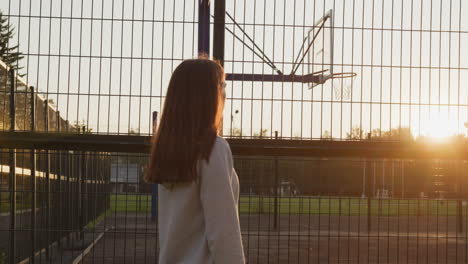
column 21, row 204
column 312, row 205
column 298, row 205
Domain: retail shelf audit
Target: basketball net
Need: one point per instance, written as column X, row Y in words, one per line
column 342, row 84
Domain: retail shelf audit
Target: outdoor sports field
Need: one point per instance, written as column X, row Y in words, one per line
column 314, row 205
column 311, row 230
column 303, row 205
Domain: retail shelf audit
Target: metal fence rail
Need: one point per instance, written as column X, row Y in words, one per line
column 53, row 203
column 47, row 197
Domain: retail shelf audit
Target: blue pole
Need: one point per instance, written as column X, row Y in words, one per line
column 204, row 27
column 154, row 201
column 154, row 187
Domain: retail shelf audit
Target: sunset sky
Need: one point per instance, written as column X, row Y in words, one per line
column 109, row 62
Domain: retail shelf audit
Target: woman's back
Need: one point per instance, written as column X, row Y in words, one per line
column 198, row 221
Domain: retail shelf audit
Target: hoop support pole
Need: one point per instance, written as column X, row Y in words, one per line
column 272, row 77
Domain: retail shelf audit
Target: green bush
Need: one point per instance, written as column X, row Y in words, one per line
column 2, row 257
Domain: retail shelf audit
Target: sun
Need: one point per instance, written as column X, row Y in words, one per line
column 439, row 127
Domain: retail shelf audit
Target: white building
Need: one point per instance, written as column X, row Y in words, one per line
column 125, row 177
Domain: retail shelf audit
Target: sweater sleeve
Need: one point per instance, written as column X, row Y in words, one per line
column 220, row 206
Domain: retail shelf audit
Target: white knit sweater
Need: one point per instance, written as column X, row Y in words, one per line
column 199, row 221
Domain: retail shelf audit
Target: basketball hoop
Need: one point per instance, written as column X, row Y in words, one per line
column 342, row 84
column 343, row 75
column 321, row 78
column 316, row 53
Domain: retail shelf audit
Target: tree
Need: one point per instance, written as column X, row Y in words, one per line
column 261, row 134
column 51, row 102
column 10, row 58
column 457, row 138
column 327, row 135
column 395, row 134
column 297, row 136
column 7, row 52
column 82, row 124
column 236, row 132
column 134, row 131
column 355, row 133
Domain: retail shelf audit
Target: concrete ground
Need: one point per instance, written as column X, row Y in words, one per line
column 132, row 238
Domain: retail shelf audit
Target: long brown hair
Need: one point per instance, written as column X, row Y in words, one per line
column 190, row 122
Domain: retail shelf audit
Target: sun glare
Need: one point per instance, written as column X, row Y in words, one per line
column 439, row 127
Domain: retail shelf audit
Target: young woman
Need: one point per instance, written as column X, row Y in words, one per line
column 198, row 187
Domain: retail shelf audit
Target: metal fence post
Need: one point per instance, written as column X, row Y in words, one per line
column 108, row 180
column 368, row 191
column 369, row 196
column 275, row 220
column 71, row 201
column 154, row 187
column 82, row 192
column 58, row 162
column 218, row 30
column 204, row 27
column 218, row 36
column 459, row 201
column 47, row 171
column 33, row 178
column 67, row 225
column 402, row 178
column 99, row 191
column 12, row 183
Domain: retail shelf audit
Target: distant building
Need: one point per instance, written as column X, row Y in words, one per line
column 125, row 177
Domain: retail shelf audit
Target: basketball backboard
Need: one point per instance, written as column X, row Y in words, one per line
column 319, row 59
column 316, row 54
